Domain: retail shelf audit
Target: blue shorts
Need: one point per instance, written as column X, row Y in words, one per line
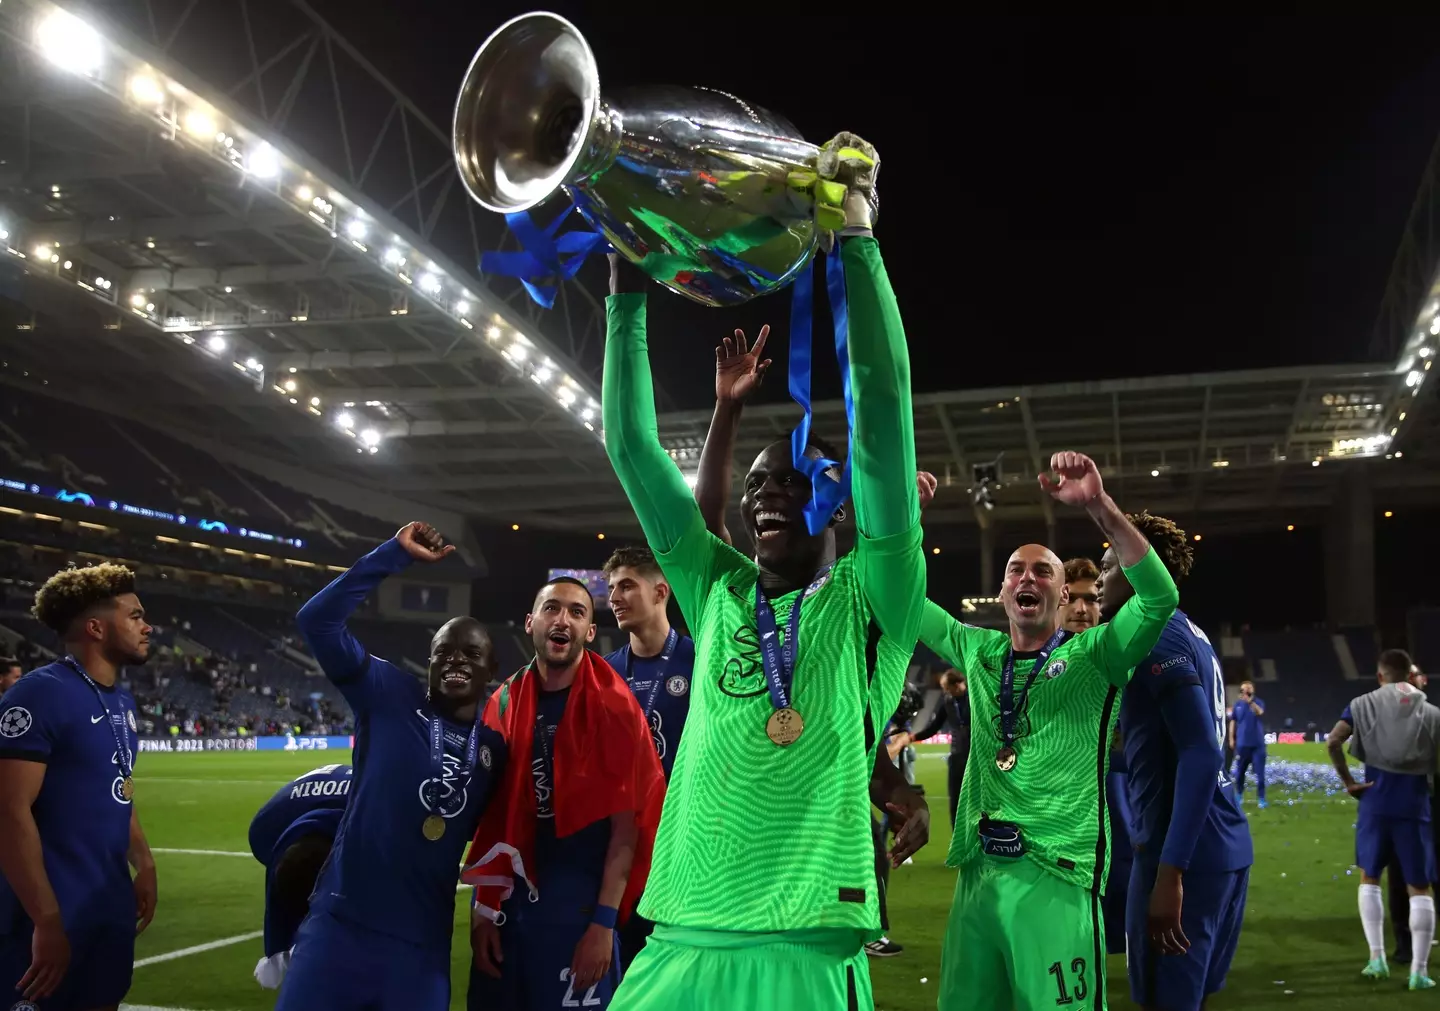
column 1115, row 902
column 341, row 966
column 537, row 948
column 1409, row 840
column 101, row 961
column 1213, row 910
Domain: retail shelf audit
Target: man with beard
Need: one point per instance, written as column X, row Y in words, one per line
column 1032, row 834
column 657, row 663
column 69, row 911
column 575, row 829
column 1192, row 849
column 764, row 885
column 291, row 836
column 1081, row 609
column 378, row 932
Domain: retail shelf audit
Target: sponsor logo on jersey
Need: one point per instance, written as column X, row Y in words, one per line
column 677, row 685
column 1056, row 668
column 1164, row 665
column 15, row 721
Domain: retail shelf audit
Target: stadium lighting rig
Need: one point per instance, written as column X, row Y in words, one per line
column 263, row 164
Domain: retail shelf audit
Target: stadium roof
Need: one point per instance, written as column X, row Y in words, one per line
column 210, row 277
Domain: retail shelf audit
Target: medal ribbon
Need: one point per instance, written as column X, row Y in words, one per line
column 671, row 641
column 830, row 488
column 431, row 794
column 122, row 751
column 779, row 659
column 1009, row 707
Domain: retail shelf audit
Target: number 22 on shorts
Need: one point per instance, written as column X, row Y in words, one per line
column 589, row 1000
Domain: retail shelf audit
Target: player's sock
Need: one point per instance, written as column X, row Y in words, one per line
column 1422, row 929
column 1372, row 919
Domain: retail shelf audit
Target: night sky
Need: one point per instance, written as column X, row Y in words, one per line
column 1060, row 199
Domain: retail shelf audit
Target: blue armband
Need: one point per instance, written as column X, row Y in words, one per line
column 606, row 916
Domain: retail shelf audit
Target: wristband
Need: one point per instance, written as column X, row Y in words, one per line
column 606, row 916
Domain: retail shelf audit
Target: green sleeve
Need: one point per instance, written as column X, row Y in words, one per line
column 887, row 506
column 943, row 634
column 690, row 556
column 1130, row 636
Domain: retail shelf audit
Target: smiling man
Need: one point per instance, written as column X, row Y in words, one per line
column 764, row 888
column 378, row 932
column 1032, row 832
column 573, row 830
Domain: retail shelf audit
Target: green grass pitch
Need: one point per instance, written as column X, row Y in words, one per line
column 1302, row 946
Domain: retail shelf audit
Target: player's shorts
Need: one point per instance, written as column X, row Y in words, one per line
column 536, row 953
column 99, row 975
column 1210, row 916
column 681, row 969
column 1409, row 840
column 340, row 966
column 1020, row 937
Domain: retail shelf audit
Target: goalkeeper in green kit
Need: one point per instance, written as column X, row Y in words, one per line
column 1032, row 832
column 763, row 885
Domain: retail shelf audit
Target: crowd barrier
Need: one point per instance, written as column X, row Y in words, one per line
column 286, row 742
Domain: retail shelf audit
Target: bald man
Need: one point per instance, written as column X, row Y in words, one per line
column 1032, row 835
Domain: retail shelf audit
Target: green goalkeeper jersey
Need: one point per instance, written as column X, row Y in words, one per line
column 756, row 837
column 1056, row 790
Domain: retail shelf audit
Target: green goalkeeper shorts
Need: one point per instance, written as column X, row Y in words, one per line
column 1021, row 938
column 681, row 969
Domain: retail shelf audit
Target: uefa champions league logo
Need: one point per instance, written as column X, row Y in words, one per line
column 446, row 796
column 14, row 722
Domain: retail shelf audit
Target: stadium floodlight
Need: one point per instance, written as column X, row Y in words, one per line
column 462, row 307
column 216, row 343
column 1414, row 378
column 345, row 420
column 146, row 90
column 492, row 333
column 430, row 283
column 290, row 385
column 70, row 43
column 356, row 229
column 370, row 437
column 263, row 162
column 252, row 365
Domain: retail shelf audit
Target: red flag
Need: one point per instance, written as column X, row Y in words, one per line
column 605, row 763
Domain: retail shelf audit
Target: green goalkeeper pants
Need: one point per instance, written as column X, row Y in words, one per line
column 681, row 969
column 1021, row 939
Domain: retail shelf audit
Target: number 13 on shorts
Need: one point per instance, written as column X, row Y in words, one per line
column 1072, row 985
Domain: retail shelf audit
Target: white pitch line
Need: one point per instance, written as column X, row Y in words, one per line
column 202, row 853
column 224, row 942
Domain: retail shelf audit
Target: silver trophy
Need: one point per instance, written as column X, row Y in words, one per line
column 709, row 195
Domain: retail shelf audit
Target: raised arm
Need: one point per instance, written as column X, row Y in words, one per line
column 739, row 370
column 883, row 469
column 1133, row 633
column 322, row 619
column 656, row 488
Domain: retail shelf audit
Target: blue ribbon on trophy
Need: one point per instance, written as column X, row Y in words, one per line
column 711, row 195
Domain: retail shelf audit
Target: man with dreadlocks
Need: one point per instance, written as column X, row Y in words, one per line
column 69, row 910
column 1192, row 845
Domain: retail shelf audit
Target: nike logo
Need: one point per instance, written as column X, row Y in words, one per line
column 96, row 719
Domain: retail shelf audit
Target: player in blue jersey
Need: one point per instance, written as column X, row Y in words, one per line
column 291, row 836
column 1396, row 733
column 1192, row 848
column 1247, row 740
column 378, row 933
column 657, row 663
column 69, row 910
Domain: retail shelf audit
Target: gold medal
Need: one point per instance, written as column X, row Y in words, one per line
column 434, row 828
column 127, row 788
column 784, row 727
column 1005, row 759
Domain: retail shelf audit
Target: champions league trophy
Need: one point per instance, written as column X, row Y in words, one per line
column 710, row 196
